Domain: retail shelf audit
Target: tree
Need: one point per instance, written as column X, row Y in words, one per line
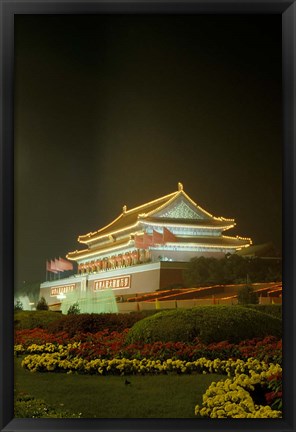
column 18, row 306
column 232, row 269
column 42, row 304
column 197, row 272
column 246, row 295
column 74, row 309
column 235, row 269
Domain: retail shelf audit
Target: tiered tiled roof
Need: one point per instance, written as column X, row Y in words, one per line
column 129, row 219
column 161, row 212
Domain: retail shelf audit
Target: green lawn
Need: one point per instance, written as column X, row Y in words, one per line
column 161, row 396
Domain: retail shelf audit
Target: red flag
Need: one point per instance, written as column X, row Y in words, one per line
column 53, row 267
column 147, row 240
column 58, row 265
column 168, row 236
column 65, row 265
column 157, row 237
column 139, row 241
column 142, row 242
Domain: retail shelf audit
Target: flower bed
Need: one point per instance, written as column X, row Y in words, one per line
column 112, row 345
column 236, row 397
column 230, row 398
column 60, row 361
column 253, row 366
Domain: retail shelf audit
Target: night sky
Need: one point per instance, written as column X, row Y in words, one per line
column 117, row 109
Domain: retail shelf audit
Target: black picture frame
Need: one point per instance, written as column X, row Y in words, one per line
column 9, row 9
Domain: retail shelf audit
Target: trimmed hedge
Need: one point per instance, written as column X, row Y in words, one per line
column 55, row 322
column 271, row 309
column 207, row 323
column 93, row 323
column 33, row 319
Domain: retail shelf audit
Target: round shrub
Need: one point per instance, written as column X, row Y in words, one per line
column 207, row 323
column 76, row 323
column 271, row 309
column 247, row 295
column 74, row 309
column 33, row 319
column 93, row 323
column 42, row 304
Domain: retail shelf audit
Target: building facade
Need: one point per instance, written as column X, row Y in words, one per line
column 146, row 248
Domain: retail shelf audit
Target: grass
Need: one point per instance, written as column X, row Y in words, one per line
column 149, row 396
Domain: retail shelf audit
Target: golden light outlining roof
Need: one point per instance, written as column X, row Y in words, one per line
column 181, row 192
column 95, row 235
column 132, row 218
column 197, row 229
column 87, row 253
column 198, row 224
column 220, row 242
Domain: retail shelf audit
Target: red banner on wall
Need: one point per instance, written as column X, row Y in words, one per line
column 114, row 283
column 65, row 289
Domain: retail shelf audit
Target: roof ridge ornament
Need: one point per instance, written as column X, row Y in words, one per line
column 124, row 209
column 180, row 186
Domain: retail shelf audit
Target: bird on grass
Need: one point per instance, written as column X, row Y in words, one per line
column 126, row 382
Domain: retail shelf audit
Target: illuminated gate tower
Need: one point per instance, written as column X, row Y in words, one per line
column 170, row 228
column 147, row 247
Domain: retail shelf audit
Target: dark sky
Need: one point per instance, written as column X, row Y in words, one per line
column 113, row 110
